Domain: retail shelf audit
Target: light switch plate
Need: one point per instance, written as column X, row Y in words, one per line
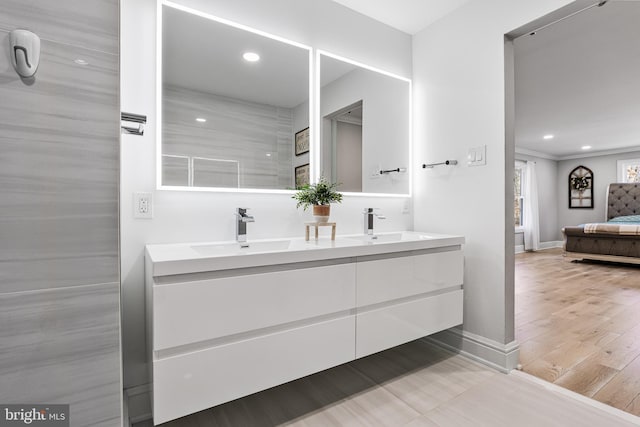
column 477, row 156
column 406, row 207
column 143, row 205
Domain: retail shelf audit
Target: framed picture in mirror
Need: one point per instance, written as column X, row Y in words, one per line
column 302, row 175
column 302, row 142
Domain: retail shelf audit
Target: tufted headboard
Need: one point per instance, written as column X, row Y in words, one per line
column 623, row 199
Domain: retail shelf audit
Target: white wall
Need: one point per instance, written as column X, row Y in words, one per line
column 194, row 216
column 459, row 102
column 605, row 172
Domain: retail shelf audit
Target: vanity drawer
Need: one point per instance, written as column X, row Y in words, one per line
column 381, row 280
column 397, row 324
column 195, row 381
column 191, row 312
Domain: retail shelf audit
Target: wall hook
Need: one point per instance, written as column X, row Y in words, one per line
column 25, row 52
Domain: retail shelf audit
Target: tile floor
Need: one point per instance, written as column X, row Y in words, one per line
column 413, row 385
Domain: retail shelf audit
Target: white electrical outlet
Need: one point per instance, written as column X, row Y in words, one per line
column 143, row 205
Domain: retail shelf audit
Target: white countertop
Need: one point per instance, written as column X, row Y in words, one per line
column 183, row 258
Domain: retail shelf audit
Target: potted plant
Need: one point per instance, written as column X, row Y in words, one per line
column 319, row 195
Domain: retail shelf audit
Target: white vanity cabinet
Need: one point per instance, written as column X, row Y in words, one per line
column 216, row 334
column 216, row 338
column 402, row 297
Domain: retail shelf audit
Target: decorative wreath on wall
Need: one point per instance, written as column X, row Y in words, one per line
column 579, row 183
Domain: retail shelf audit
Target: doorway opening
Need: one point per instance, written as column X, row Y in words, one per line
column 346, row 146
column 573, row 99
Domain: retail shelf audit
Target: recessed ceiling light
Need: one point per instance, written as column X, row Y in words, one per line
column 80, row 61
column 548, row 136
column 201, row 119
column 268, row 154
column 251, row 56
column 586, row 147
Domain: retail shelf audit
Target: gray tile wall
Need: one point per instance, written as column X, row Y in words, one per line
column 235, row 130
column 59, row 157
column 89, row 23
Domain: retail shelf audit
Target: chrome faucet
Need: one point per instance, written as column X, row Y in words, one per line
column 368, row 220
column 241, row 226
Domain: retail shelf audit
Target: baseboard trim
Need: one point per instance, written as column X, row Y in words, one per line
column 580, row 398
column 552, row 244
column 503, row 357
column 543, row 245
column 138, row 403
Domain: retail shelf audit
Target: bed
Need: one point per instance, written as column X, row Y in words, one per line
column 616, row 240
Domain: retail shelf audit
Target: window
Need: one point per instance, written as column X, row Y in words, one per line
column 629, row 170
column 518, row 202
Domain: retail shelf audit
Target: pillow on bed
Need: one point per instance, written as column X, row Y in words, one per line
column 626, row 219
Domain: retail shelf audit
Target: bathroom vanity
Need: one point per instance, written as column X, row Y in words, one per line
column 224, row 322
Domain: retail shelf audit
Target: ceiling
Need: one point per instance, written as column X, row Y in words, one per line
column 579, row 80
column 409, row 16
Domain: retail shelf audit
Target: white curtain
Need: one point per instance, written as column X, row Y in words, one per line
column 531, row 215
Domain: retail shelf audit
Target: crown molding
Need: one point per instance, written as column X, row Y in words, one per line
column 600, row 153
column 533, row 153
column 541, row 155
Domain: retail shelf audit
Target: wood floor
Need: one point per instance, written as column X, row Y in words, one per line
column 414, row 385
column 578, row 325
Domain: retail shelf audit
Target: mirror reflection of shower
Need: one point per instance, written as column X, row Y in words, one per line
column 232, row 101
column 346, row 147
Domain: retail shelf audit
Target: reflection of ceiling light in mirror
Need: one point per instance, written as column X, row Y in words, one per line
column 251, row 56
column 200, row 119
column 80, row 61
column 549, row 136
column 586, row 147
column 268, row 154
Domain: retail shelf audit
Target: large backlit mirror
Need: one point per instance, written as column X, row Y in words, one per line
column 364, row 128
column 235, row 106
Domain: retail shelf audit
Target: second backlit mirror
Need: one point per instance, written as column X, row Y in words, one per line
column 364, row 127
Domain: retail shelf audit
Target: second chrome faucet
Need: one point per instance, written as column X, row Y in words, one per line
column 368, row 220
column 241, row 226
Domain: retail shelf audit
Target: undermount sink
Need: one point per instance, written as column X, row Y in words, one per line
column 391, row 237
column 183, row 258
column 225, row 249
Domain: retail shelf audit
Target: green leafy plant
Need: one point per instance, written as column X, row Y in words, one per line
column 321, row 193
